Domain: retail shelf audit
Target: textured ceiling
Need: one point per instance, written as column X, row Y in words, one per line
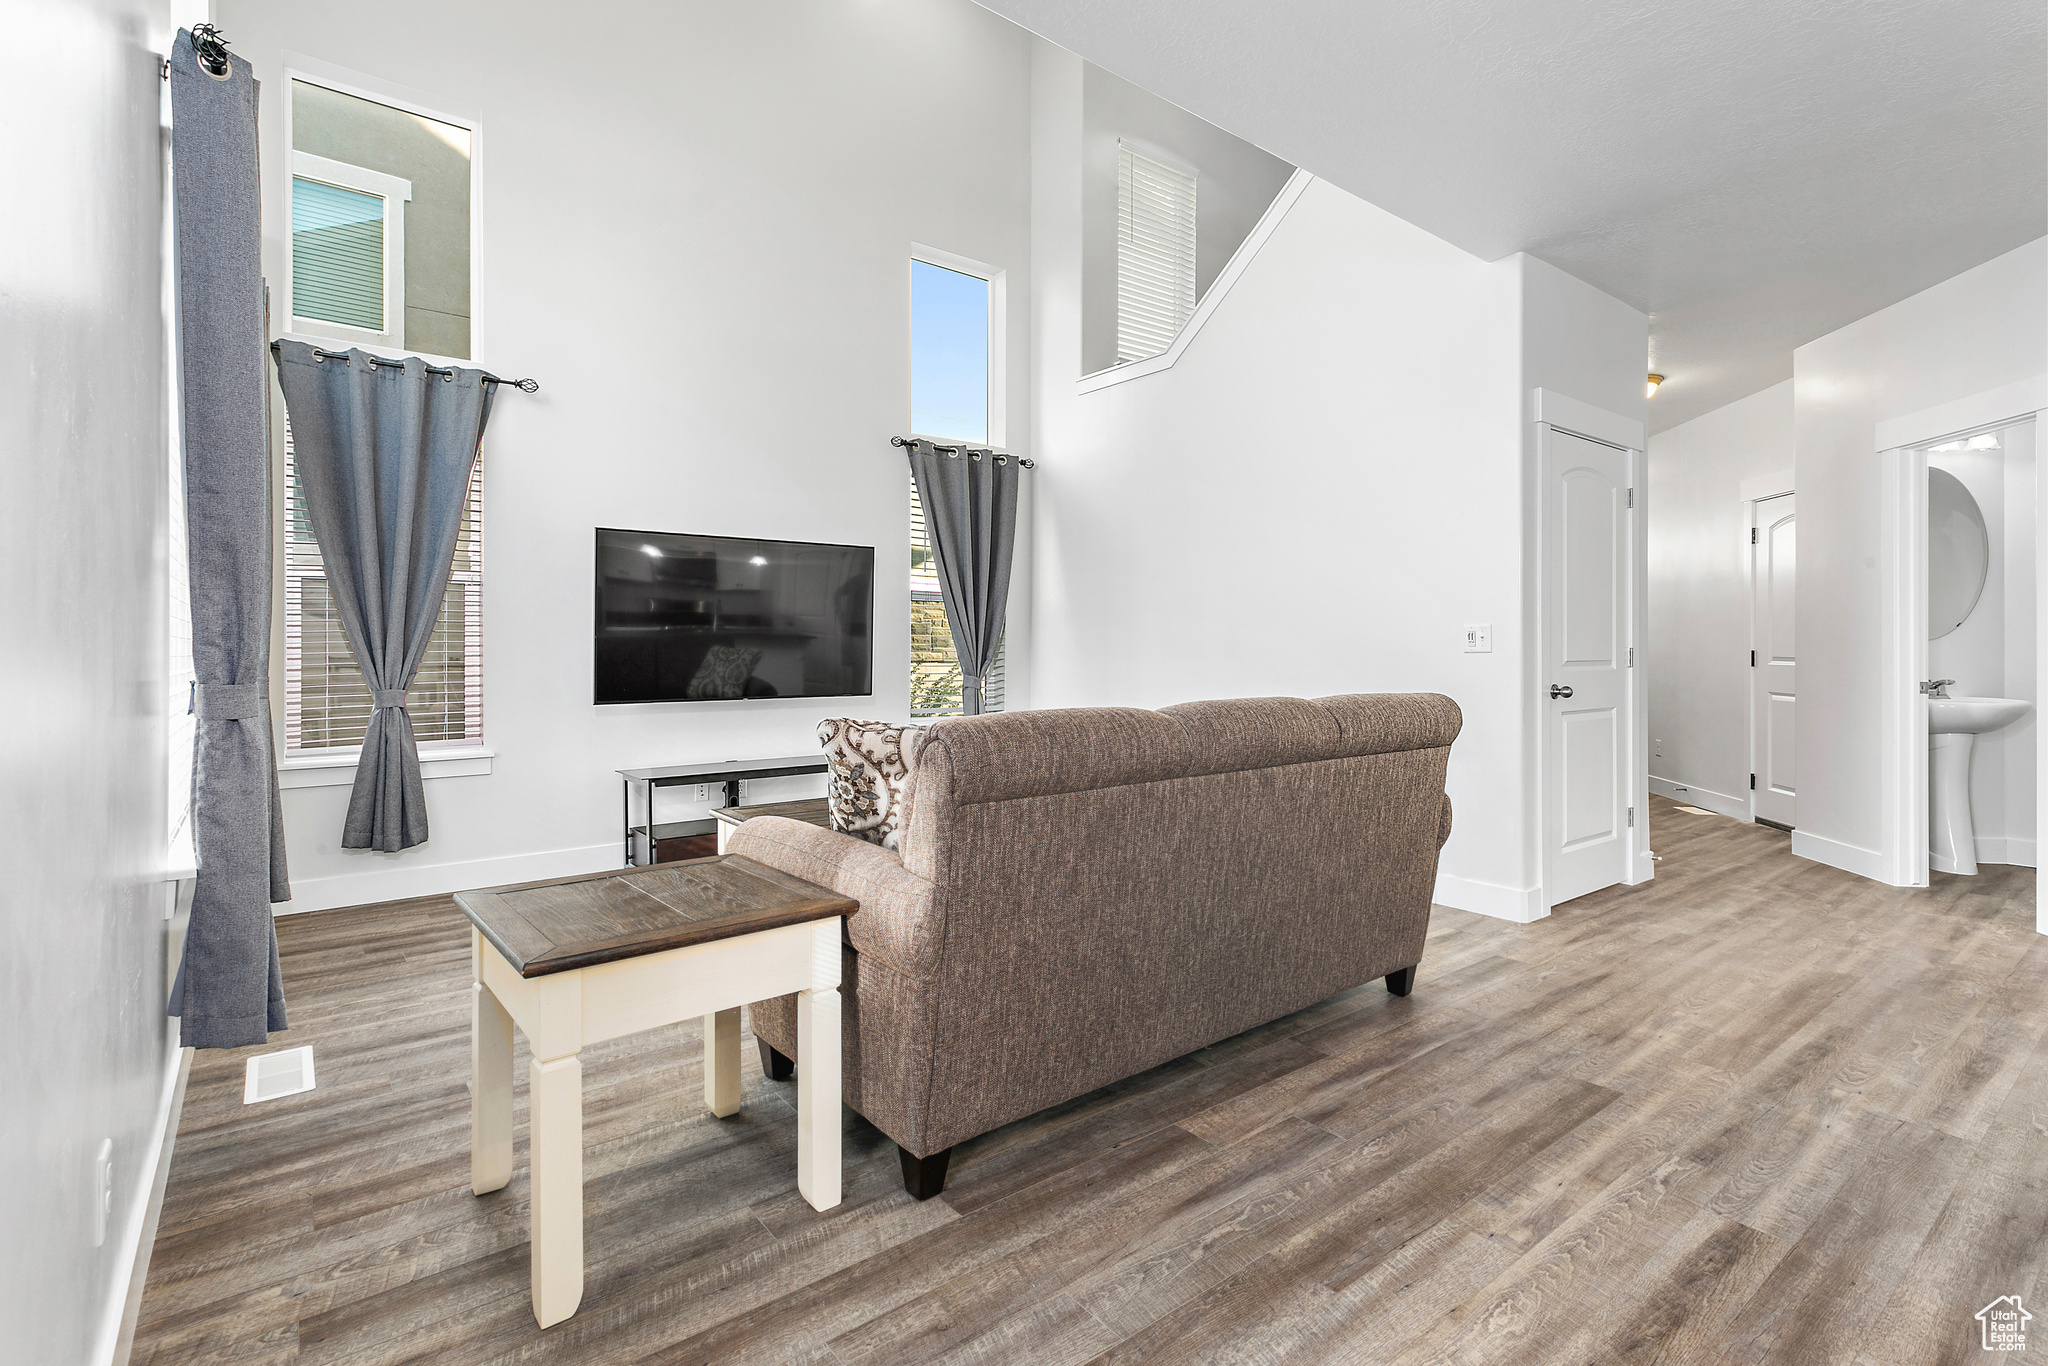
column 1752, row 173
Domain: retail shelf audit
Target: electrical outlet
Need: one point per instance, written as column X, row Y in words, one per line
column 1479, row 640
column 102, row 1192
column 1657, row 746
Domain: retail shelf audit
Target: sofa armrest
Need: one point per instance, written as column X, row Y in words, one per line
column 1443, row 823
column 898, row 922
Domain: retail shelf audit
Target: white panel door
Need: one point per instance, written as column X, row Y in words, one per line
column 1585, row 666
column 1774, row 664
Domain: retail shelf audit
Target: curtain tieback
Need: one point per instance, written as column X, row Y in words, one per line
column 388, row 697
column 230, row 701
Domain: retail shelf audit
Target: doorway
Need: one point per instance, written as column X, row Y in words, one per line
column 1592, row 766
column 1962, row 775
column 1773, row 661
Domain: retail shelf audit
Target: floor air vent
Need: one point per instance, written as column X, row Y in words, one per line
column 271, row 1075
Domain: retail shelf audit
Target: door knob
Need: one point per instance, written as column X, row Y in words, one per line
column 1560, row 690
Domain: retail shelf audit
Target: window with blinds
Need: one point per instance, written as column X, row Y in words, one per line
column 935, row 674
column 1155, row 254
column 337, row 254
column 326, row 703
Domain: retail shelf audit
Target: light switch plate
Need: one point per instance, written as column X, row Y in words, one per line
column 1479, row 639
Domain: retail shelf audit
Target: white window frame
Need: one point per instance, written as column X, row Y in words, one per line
column 336, row 767
column 997, row 279
column 998, row 308
column 342, row 80
column 396, row 193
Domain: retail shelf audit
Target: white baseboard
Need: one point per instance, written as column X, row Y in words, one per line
column 138, row 1233
column 1519, row 904
column 433, row 879
column 1849, row 858
column 1721, row 803
column 1998, row 849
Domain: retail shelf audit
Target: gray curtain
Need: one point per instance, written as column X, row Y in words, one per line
column 228, row 991
column 970, row 512
column 384, row 451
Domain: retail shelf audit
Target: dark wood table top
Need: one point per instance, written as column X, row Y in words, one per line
column 811, row 811
column 575, row 922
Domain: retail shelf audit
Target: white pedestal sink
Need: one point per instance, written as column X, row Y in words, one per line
column 1953, row 725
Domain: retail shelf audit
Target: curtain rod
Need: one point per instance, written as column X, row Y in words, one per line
column 531, row 386
column 907, row 441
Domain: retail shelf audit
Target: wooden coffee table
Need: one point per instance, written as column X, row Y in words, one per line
column 578, row 960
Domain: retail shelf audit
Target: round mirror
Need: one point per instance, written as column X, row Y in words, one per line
column 1958, row 553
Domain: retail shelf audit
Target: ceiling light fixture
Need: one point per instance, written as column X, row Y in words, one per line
column 1987, row 441
column 1650, row 389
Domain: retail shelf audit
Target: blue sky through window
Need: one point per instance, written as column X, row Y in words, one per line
column 948, row 353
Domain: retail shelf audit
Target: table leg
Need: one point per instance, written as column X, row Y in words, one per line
column 722, row 1062
column 490, row 1087
column 555, row 1098
column 817, row 1093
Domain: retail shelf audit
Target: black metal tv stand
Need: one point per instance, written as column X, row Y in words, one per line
column 730, row 774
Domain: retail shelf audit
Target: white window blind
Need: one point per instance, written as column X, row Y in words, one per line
column 337, row 254
column 1155, row 254
column 935, row 674
column 326, row 703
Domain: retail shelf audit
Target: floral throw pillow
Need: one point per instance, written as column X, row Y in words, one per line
column 873, row 764
column 723, row 674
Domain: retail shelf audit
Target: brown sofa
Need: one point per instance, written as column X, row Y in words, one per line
column 1085, row 894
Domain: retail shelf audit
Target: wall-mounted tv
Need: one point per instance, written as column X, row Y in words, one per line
column 718, row 618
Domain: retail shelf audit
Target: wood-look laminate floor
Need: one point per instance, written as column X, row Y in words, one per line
column 1755, row 1111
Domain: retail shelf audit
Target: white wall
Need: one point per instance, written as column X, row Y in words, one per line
column 1992, row 653
column 82, row 664
column 1977, row 332
column 695, row 224
column 1318, row 496
column 1581, row 342
column 1700, row 473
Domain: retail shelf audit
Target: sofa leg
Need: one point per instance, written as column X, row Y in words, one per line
column 773, row 1065
column 1402, row 982
column 924, row 1177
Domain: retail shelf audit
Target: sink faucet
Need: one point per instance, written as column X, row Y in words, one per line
column 1936, row 687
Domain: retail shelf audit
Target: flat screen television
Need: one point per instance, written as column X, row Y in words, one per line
column 718, row 618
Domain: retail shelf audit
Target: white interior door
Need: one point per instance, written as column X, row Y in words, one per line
column 1588, row 725
column 1774, row 661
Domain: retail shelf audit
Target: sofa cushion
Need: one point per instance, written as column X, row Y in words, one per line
column 874, row 767
column 1254, row 732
